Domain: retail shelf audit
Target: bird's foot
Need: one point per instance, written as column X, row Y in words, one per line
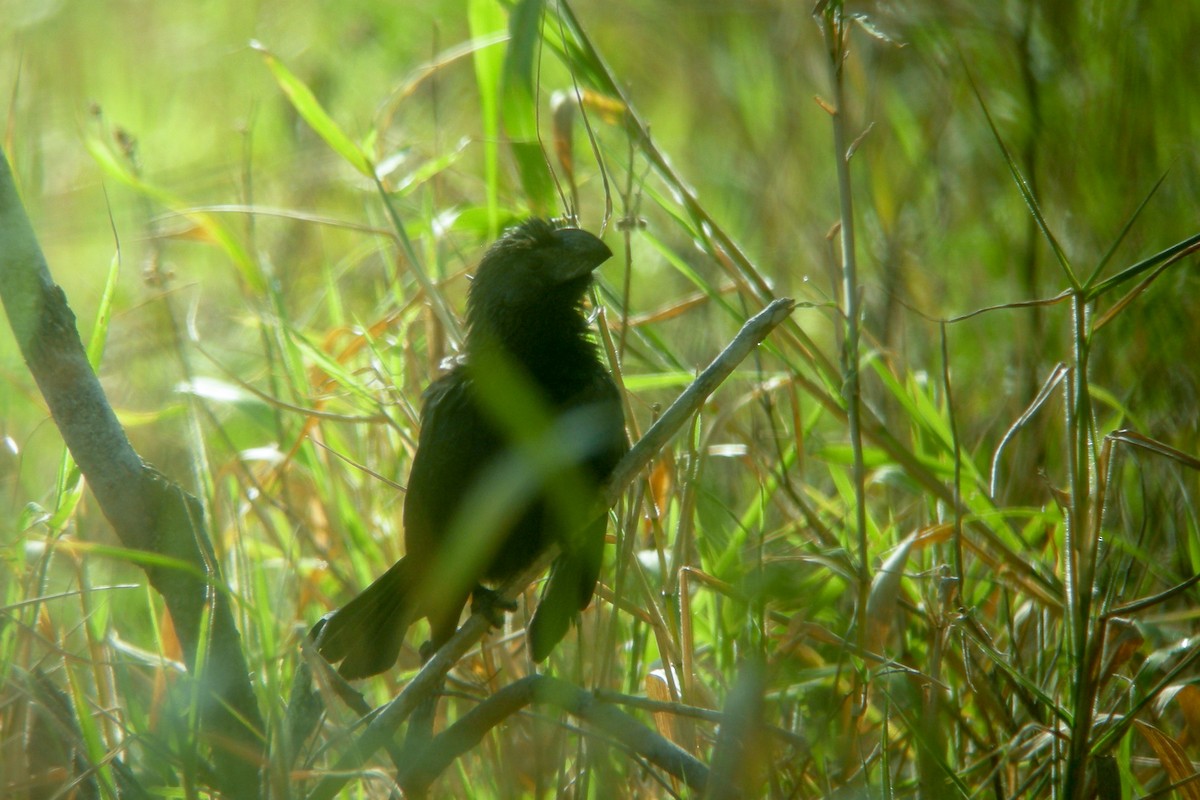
column 489, row 603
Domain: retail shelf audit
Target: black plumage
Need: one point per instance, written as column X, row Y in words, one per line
column 515, row 442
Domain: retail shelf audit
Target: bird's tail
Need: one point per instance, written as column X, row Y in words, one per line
column 568, row 591
column 366, row 633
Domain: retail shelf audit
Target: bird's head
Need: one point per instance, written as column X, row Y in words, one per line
column 535, row 265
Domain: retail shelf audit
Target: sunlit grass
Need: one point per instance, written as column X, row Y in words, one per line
column 278, row 312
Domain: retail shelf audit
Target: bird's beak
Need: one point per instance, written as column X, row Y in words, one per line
column 583, row 251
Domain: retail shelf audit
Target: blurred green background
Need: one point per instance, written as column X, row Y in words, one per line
column 153, row 125
column 1093, row 101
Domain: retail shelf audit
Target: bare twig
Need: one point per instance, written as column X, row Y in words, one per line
column 621, row 727
column 383, row 727
column 688, row 403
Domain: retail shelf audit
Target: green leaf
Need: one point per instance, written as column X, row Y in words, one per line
column 95, row 347
column 311, row 111
column 520, row 64
column 1173, row 253
column 485, row 17
column 209, row 228
column 1026, row 190
column 519, row 105
column 1125, row 231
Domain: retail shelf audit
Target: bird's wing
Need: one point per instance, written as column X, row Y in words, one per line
column 454, row 445
column 575, row 572
column 602, row 394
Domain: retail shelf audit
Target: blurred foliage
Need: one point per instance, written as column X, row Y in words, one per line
column 271, row 330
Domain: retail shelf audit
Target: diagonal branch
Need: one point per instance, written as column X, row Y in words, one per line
column 147, row 511
column 384, row 726
column 437, row 755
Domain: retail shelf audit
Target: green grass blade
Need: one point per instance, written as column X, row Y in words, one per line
column 1024, row 188
column 1171, row 254
column 519, row 105
column 99, row 335
column 485, row 17
column 312, row 112
column 211, row 229
column 1137, row 212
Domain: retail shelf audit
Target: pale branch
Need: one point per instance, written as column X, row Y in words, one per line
column 148, row 512
column 617, row 725
column 665, row 427
column 383, row 727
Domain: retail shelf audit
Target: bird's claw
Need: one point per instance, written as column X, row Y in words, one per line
column 489, row 603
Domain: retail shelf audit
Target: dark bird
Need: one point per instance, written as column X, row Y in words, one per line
column 515, row 442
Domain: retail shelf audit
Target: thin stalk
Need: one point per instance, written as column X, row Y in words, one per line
column 1079, row 554
column 957, row 543
column 835, row 39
